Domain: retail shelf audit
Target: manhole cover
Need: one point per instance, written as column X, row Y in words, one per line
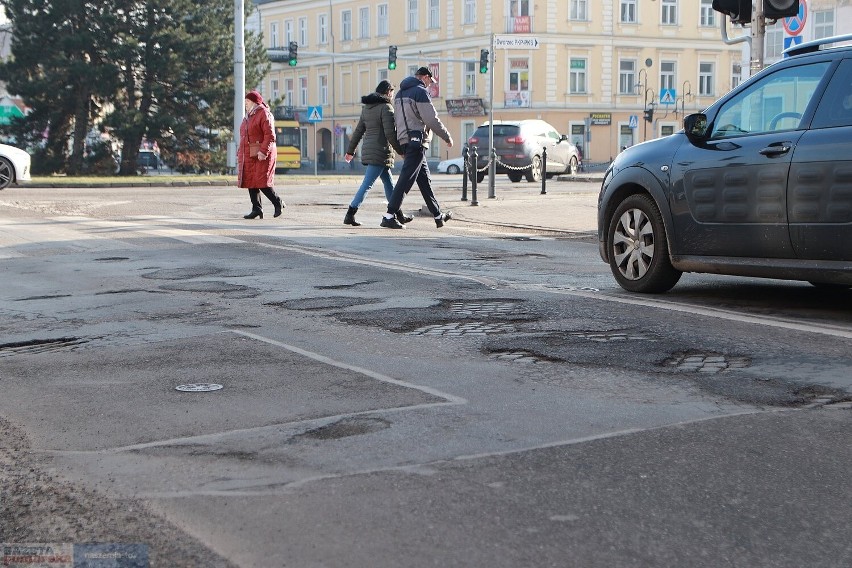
column 199, row 387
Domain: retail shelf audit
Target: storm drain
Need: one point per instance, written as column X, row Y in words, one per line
column 464, row 328
column 39, row 346
column 605, row 336
column 484, row 308
column 705, row 362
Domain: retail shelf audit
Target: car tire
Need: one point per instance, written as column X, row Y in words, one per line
column 7, row 173
column 637, row 247
column 515, row 177
column 534, row 172
column 453, row 169
column 573, row 166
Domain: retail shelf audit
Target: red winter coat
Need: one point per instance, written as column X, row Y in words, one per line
column 258, row 126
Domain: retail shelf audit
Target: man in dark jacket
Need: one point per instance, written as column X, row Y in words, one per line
column 416, row 120
column 376, row 127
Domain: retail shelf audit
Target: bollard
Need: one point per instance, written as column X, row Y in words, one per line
column 544, row 171
column 465, row 172
column 474, row 174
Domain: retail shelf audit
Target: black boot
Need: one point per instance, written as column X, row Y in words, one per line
column 276, row 200
column 256, row 207
column 350, row 217
column 403, row 218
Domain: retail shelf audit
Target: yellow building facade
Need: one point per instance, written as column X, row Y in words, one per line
column 589, row 67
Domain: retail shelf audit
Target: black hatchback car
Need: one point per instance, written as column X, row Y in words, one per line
column 759, row 184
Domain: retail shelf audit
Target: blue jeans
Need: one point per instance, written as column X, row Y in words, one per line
column 373, row 172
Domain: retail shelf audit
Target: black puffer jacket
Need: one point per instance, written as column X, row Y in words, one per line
column 376, row 127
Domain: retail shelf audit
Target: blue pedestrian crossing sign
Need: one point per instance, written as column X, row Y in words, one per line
column 634, row 121
column 315, row 114
column 668, row 96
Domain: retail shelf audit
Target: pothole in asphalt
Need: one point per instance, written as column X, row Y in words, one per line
column 51, row 297
column 520, row 356
column 605, row 336
column 480, row 309
column 40, row 346
column 181, row 273
column 111, row 259
column 354, row 426
column 234, row 291
column 345, row 286
column 323, row 303
column 464, row 328
column 705, row 362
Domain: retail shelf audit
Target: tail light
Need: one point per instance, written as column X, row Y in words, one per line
column 515, row 140
column 472, row 140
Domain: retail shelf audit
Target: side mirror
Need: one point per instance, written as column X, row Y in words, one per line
column 695, row 126
column 563, row 138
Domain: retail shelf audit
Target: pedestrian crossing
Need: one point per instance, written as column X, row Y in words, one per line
column 32, row 237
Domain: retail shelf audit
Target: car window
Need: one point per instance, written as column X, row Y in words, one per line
column 777, row 102
column 835, row 108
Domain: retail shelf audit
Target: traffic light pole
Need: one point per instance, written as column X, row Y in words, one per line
column 758, row 32
column 492, row 164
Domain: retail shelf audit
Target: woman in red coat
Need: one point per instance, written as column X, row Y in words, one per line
column 256, row 155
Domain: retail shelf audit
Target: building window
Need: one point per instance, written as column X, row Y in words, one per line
column 823, row 23
column 323, row 89
column 667, row 130
column 708, row 14
column 470, row 72
column 626, row 77
column 669, row 14
column 469, row 12
column 434, row 14
column 706, row 87
column 273, row 35
column 322, row 29
column 303, row 31
column 382, row 20
column 303, row 91
column 412, row 16
column 273, row 88
column 363, row 23
column 383, row 75
column 667, row 75
column 519, row 74
column 519, row 7
column 288, row 92
column 577, row 81
column 736, row 74
column 346, row 25
column 579, row 10
column 773, row 42
column 628, row 11
column 288, row 32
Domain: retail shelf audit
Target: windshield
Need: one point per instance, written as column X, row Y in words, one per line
column 287, row 136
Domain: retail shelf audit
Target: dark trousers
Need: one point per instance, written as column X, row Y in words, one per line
column 254, row 196
column 414, row 170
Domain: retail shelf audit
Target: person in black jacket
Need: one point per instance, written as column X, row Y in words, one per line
column 416, row 121
column 376, row 127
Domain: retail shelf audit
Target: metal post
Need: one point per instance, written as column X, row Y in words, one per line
column 474, row 174
column 492, row 165
column 465, row 172
column 239, row 76
column 544, row 171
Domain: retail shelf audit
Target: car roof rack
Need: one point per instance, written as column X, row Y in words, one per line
column 815, row 45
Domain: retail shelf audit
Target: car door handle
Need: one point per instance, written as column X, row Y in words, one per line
column 776, row 149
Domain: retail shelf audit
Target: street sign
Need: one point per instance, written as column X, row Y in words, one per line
column 634, row 121
column 315, row 114
column 791, row 41
column 516, row 42
column 796, row 24
column 668, row 96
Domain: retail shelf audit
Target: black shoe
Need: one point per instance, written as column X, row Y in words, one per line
column 391, row 223
column 278, row 210
column 439, row 221
column 350, row 217
column 403, row 218
column 253, row 214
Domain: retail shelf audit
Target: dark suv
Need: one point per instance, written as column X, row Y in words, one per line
column 519, row 144
column 759, row 184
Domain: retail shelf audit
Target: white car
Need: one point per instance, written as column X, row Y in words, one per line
column 454, row 166
column 14, row 166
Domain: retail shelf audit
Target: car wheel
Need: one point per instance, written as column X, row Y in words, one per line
column 453, row 169
column 534, row 173
column 515, row 177
column 638, row 247
column 573, row 166
column 7, row 173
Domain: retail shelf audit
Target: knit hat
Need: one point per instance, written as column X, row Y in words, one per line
column 384, row 87
column 254, row 97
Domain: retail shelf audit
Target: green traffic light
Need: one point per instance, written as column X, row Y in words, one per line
column 392, row 65
column 293, row 63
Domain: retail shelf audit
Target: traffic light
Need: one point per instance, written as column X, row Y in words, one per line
column 738, row 10
column 777, row 9
column 293, row 55
column 392, row 57
column 483, row 61
column 649, row 114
